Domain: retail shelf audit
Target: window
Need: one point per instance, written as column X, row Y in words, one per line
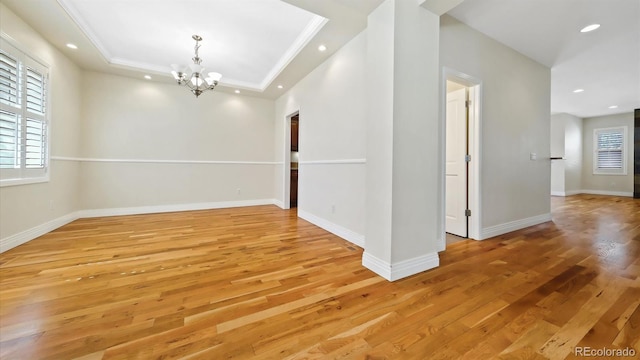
column 23, row 118
column 610, row 154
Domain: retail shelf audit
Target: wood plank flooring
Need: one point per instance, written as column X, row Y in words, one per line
column 259, row 283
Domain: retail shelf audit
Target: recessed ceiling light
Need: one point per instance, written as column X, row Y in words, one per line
column 147, row 77
column 322, row 48
column 589, row 28
column 237, row 91
column 613, row 107
column 578, row 90
column 72, row 46
column 280, row 86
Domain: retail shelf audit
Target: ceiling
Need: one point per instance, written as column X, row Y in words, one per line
column 258, row 45
column 605, row 62
column 261, row 47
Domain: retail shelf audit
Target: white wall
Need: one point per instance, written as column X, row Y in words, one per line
column 573, row 154
column 147, row 144
column 607, row 184
column 331, row 101
column 514, row 122
column 26, row 207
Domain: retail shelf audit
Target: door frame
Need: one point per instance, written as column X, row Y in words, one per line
column 475, row 150
column 286, row 172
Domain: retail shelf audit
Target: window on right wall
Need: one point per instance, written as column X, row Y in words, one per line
column 610, row 153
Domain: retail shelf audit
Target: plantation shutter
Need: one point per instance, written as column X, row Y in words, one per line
column 23, row 117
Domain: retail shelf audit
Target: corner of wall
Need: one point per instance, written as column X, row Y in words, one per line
column 402, row 269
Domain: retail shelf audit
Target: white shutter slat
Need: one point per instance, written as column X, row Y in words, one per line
column 35, row 144
column 9, row 140
column 9, row 83
column 35, row 91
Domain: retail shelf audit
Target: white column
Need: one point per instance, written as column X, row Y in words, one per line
column 403, row 230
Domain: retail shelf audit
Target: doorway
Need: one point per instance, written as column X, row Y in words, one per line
column 461, row 157
column 293, row 173
column 456, row 166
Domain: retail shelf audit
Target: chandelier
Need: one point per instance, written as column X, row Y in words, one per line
column 192, row 76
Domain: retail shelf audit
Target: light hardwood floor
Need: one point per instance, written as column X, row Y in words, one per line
column 259, row 283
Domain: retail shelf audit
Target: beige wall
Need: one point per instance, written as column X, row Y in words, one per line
column 557, row 150
column 611, row 184
column 566, row 141
column 515, row 122
column 331, row 101
column 573, row 162
column 147, row 143
column 24, row 207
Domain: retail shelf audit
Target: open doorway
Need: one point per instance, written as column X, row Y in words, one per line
column 461, row 182
column 293, row 176
column 457, row 162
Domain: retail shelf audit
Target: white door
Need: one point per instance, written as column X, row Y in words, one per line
column 456, row 167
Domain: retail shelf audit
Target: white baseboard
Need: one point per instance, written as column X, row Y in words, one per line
column 278, row 203
column 402, row 269
column 23, row 237
column 610, row 193
column 171, row 208
column 500, row 229
column 349, row 235
column 593, row 192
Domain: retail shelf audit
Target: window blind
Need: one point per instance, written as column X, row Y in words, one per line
column 609, row 151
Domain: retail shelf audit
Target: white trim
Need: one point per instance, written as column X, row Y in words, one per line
column 606, row 192
column 25, row 236
column 303, row 39
column 333, row 162
column 349, row 235
column 510, row 226
column 162, row 161
column 25, row 181
column 86, row 29
column 592, row 192
column 278, row 203
column 172, row 208
column 402, row 269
